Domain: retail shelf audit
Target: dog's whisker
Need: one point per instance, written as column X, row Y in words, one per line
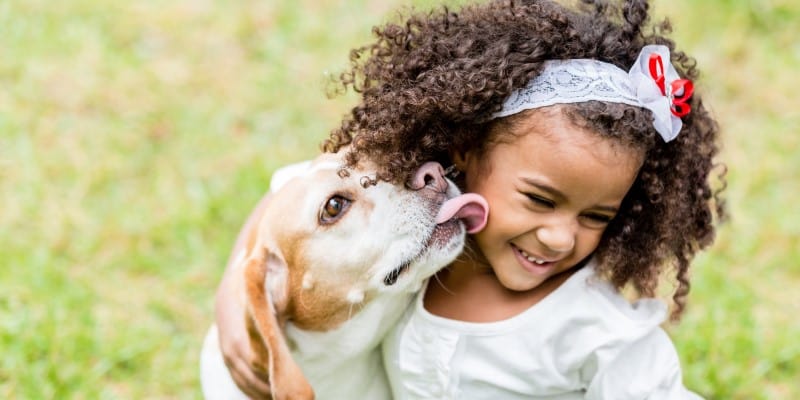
column 441, row 284
column 469, row 253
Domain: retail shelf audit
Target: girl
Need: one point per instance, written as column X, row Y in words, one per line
column 581, row 129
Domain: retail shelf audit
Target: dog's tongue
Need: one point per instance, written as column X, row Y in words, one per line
column 470, row 207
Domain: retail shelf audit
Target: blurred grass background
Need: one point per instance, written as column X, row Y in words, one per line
column 136, row 136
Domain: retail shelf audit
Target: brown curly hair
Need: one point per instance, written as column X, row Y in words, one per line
column 429, row 84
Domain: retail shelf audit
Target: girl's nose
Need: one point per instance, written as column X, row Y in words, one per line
column 559, row 238
column 429, row 174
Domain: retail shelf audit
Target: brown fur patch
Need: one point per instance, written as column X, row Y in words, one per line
column 318, row 308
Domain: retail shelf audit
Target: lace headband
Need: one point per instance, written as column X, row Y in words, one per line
column 648, row 84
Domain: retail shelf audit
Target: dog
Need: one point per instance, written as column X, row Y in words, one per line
column 336, row 259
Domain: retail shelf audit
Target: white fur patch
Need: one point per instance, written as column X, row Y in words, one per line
column 277, row 278
column 283, row 175
column 355, row 296
column 324, row 165
column 240, row 256
column 308, row 281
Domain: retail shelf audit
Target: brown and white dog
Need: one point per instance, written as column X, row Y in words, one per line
column 332, row 266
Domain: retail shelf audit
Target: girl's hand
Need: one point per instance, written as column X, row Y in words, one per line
column 234, row 341
column 231, row 323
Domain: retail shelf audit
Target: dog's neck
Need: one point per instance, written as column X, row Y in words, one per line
column 325, row 309
column 363, row 331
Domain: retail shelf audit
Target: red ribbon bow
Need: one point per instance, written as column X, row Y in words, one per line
column 680, row 89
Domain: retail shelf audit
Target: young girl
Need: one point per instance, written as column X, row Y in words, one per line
column 581, row 129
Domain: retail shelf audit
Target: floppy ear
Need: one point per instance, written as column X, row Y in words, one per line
column 266, row 312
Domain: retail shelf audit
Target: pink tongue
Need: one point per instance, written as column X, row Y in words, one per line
column 470, row 208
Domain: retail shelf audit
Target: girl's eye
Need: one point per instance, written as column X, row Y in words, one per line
column 540, row 201
column 333, row 209
column 597, row 220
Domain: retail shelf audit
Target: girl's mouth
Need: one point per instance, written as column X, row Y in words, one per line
column 531, row 258
column 532, row 263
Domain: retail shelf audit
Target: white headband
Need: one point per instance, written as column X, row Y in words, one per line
column 648, row 84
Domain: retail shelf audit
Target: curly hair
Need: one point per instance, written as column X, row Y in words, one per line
column 429, row 84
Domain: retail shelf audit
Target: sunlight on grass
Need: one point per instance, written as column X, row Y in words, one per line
column 136, row 136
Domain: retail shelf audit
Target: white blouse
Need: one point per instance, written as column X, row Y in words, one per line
column 582, row 341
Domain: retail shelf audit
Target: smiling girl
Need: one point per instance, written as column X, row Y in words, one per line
column 582, row 129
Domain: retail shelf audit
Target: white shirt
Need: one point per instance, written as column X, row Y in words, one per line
column 582, row 341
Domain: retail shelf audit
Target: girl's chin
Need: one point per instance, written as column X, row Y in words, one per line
column 521, row 281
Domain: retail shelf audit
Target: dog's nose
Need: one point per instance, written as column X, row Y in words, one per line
column 430, row 174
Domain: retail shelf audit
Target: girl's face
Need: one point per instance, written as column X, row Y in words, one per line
column 552, row 189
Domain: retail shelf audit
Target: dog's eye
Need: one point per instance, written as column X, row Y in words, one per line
column 333, row 208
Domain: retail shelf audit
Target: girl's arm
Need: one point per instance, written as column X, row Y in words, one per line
column 230, row 318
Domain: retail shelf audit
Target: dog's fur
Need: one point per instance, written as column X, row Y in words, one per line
column 322, row 292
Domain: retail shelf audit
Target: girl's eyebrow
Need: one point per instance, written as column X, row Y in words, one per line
column 560, row 196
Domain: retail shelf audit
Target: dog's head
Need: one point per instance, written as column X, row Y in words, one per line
column 334, row 242
column 327, row 243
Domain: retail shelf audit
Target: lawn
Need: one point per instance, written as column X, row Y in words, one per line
column 135, row 136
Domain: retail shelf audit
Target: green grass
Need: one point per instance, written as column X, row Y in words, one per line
column 135, row 137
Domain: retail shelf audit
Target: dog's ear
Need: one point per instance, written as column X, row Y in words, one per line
column 266, row 310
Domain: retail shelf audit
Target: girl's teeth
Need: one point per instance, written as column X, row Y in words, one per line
column 531, row 259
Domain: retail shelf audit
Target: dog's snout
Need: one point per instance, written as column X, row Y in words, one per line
column 430, row 174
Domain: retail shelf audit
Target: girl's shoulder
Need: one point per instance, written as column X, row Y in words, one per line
column 588, row 293
column 589, row 310
column 631, row 356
